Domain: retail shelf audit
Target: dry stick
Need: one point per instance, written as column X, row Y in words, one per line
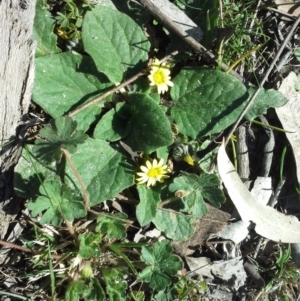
column 251, row 100
column 77, row 175
column 281, row 13
column 14, row 246
column 268, row 149
column 168, row 23
column 27, row 250
column 104, row 95
column 255, row 14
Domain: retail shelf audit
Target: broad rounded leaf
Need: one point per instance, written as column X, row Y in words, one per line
column 264, row 100
column 149, row 199
column 150, row 128
column 105, row 171
column 176, row 226
column 114, row 41
column 112, row 127
column 65, row 81
column 43, row 31
column 206, row 101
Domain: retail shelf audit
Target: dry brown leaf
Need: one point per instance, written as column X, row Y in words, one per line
column 268, row 222
column 212, row 222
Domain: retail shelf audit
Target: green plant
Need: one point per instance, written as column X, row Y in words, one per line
column 284, row 277
column 95, row 144
column 248, row 30
column 69, row 18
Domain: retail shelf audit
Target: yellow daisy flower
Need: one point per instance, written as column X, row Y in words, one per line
column 160, row 76
column 153, row 172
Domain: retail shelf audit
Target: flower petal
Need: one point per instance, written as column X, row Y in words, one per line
column 149, row 165
column 144, row 168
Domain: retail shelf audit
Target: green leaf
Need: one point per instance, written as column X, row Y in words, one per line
column 65, row 81
column 163, row 153
column 89, row 245
column 297, row 54
column 60, row 133
column 143, row 124
column 159, row 281
column 114, row 226
column 105, row 170
column 94, row 291
column 149, row 199
column 206, row 101
column 264, row 100
column 112, row 127
column 115, row 284
column 150, row 128
column 176, row 226
column 58, row 201
column 29, row 174
column 115, row 42
column 137, row 295
column 146, row 274
column 162, row 265
column 43, row 31
column 194, row 189
column 74, row 290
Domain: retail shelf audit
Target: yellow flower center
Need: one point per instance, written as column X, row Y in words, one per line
column 159, row 77
column 154, row 172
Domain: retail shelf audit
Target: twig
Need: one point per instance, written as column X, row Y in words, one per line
column 168, row 23
column 17, row 247
column 104, row 95
column 77, row 175
column 268, row 149
column 242, row 152
column 281, row 13
column 23, row 249
column 273, row 200
column 251, row 100
column 255, row 14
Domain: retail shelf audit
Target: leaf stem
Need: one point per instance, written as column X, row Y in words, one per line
column 77, row 175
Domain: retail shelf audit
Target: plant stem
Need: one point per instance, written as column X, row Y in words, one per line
column 77, row 175
column 104, row 95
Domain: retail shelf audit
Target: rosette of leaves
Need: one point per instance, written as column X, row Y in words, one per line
column 162, row 265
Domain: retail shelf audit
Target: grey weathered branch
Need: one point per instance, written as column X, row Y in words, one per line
column 16, row 81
